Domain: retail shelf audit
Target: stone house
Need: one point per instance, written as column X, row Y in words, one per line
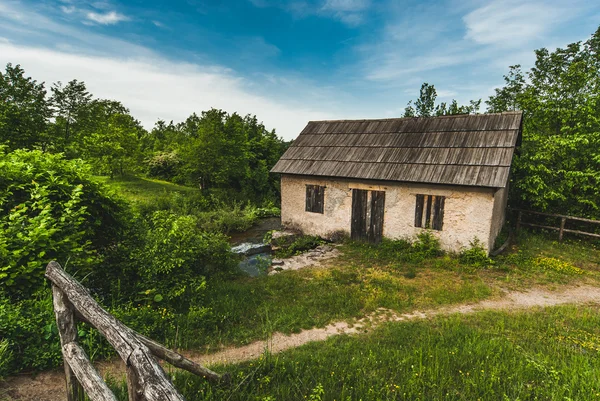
column 398, row 177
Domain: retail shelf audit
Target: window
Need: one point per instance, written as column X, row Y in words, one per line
column 315, row 195
column 429, row 211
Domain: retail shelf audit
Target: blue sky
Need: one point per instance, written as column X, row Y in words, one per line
column 285, row 61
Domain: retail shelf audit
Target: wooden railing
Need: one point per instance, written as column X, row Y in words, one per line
column 146, row 380
column 561, row 228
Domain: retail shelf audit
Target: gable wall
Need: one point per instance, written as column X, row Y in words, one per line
column 468, row 212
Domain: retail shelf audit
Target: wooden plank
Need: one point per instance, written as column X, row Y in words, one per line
column 541, row 226
column 428, row 200
column 133, row 352
column 358, row 230
column 95, row 388
column 377, row 216
column 559, row 216
column 438, row 213
column 581, row 233
column 67, row 332
column 419, row 211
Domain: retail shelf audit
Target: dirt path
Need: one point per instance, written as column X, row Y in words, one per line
column 49, row 386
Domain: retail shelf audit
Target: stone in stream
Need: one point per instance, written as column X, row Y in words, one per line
column 248, row 249
column 277, row 262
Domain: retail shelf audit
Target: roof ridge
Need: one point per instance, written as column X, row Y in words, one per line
column 512, row 112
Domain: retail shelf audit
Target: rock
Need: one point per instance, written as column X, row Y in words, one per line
column 277, row 262
column 251, row 249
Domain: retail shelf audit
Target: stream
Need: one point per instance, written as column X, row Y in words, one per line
column 257, row 256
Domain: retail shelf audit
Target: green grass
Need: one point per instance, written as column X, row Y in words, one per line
column 544, row 354
column 147, row 190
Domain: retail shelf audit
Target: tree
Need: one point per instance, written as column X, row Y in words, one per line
column 71, row 108
column 558, row 169
column 425, row 105
column 24, row 111
column 112, row 143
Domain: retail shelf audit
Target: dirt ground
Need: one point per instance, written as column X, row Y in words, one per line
column 49, row 385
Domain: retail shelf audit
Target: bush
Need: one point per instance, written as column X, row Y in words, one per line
column 298, row 245
column 176, row 258
column 164, row 165
column 51, row 209
column 475, row 255
column 5, row 358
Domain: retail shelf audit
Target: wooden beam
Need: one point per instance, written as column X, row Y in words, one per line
column 133, row 352
column 181, row 362
column 175, row 358
column 559, row 216
column 67, row 332
column 95, row 388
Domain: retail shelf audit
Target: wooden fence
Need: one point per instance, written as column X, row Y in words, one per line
column 146, row 380
column 561, row 228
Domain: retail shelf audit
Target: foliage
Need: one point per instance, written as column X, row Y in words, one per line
column 475, row 255
column 164, row 165
column 298, row 245
column 177, row 257
column 558, row 168
column 425, row 105
column 50, row 209
column 6, row 358
column 555, row 265
column 30, row 329
column 24, row 110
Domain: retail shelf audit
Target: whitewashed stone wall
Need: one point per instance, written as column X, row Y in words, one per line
column 468, row 213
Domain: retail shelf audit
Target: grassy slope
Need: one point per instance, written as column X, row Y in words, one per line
column 139, row 189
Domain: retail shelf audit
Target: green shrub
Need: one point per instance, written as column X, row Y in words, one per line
column 50, row 209
column 163, row 165
column 176, row 258
column 300, row 244
column 475, row 255
column 30, row 328
column 5, row 358
column 426, row 245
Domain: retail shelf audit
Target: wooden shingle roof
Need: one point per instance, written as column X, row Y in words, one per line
column 472, row 150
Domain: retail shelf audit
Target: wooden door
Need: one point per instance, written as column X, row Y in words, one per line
column 367, row 215
column 358, row 229
column 377, row 209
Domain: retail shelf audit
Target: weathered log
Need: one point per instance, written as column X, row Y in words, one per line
column 92, row 383
column 175, row 358
column 181, row 361
column 67, row 332
column 153, row 380
column 134, row 390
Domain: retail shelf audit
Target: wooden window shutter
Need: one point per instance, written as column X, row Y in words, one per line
column 438, row 213
column 315, row 197
column 419, row 211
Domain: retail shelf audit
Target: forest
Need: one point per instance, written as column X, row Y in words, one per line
column 153, row 263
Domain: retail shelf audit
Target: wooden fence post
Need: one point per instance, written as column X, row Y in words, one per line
column 133, row 386
column 563, row 220
column 67, row 331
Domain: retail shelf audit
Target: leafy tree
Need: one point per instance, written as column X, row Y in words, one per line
column 425, row 105
column 559, row 165
column 112, row 143
column 71, row 109
column 24, row 110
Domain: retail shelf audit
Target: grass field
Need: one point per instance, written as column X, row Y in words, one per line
column 543, row 354
column 140, row 189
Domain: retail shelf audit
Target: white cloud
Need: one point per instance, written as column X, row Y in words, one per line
column 109, row 18
column 156, row 88
column 349, row 12
column 513, row 23
column 68, row 9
